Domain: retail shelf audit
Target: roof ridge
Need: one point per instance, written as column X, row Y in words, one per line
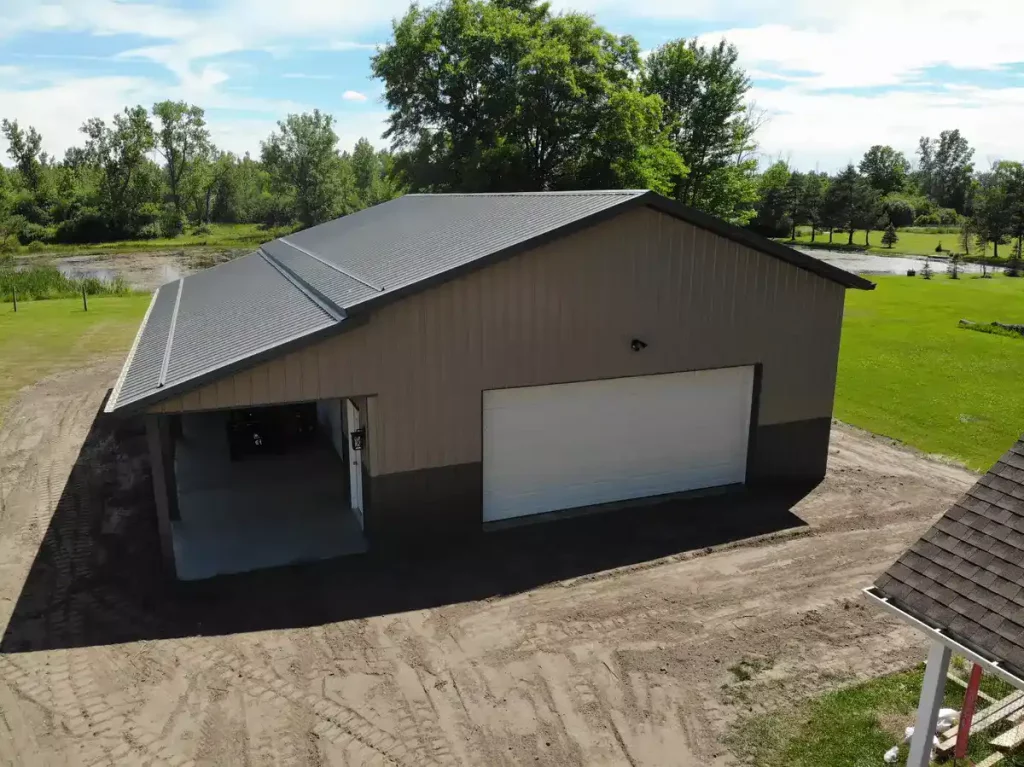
column 313, row 295
column 330, row 265
column 552, row 193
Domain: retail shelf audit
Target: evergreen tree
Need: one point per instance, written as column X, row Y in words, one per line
column 889, row 237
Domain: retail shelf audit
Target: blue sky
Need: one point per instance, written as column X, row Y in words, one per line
column 830, row 81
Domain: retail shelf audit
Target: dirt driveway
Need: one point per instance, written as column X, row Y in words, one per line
column 525, row 651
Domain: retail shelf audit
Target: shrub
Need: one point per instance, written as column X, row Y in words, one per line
column 202, row 229
column 899, row 211
column 88, row 225
column 172, row 223
column 36, row 246
column 30, row 232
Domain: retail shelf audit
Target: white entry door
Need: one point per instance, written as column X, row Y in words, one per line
column 355, row 459
column 568, row 445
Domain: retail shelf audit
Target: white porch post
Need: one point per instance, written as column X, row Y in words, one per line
column 932, row 690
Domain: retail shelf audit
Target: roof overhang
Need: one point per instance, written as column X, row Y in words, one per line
column 992, row 665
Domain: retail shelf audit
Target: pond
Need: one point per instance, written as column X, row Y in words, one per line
column 867, row 263
column 157, row 273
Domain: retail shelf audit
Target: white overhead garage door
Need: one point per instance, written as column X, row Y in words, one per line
column 559, row 447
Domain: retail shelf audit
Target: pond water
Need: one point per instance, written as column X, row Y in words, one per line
column 155, row 273
column 866, row 263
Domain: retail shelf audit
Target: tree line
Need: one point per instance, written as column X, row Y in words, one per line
column 494, row 96
column 150, row 173
column 886, row 192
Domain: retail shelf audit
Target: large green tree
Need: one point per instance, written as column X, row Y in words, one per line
column 991, row 209
column 944, row 170
column 25, row 149
column 703, row 89
column 183, row 140
column 305, row 170
column 507, row 96
column 885, row 169
column 131, row 186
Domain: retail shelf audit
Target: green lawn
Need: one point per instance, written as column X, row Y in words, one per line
column 45, row 337
column 910, row 243
column 220, row 236
column 853, row 727
column 906, row 370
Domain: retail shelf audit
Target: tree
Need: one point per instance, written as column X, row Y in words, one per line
column 130, row 185
column 703, row 90
column 885, row 169
column 812, row 201
column 842, row 201
column 867, row 209
column 794, row 201
column 953, row 266
column 774, row 206
column 991, row 209
column 968, row 234
column 373, row 173
column 506, row 96
column 889, row 237
column 23, row 147
column 304, row 166
column 898, row 210
column 944, row 169
column 184, row 142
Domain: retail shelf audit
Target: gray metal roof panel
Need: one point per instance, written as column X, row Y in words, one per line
column 143, row 374
column 416, row 237
column 235, row 310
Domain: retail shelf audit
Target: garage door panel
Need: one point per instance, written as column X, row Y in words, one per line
column 569, row 445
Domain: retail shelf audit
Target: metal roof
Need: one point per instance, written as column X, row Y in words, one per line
column 298, row 286
column 965, row 576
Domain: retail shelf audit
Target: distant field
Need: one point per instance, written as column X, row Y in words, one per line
column 910, row 243
column 220, row 236
column 45, row 337
column 906, row 370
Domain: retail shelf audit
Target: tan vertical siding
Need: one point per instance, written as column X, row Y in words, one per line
column 565, row 311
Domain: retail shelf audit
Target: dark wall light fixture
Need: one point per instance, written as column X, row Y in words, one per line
column 637, row 345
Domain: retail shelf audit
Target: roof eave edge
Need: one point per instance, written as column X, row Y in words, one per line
column 989, row 664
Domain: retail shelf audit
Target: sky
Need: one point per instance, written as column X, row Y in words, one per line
column 833, row 78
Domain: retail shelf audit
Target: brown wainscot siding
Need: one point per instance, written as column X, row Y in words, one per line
column 565, row 311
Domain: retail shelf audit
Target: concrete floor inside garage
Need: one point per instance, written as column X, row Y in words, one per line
column 259, row 511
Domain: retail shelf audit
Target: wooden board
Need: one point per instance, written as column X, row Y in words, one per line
column 1010, row 739
column 1011, row 707
column 991, row 760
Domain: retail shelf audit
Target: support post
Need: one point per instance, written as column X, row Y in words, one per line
column 932, row 691
column 967, row 715
column 14, row 294
column 163, row 488
column 85, row 300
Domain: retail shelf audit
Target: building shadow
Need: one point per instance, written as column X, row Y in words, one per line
column 97, row 577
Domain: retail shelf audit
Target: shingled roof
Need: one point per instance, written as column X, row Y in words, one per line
column 965, row 576
column 296, row 288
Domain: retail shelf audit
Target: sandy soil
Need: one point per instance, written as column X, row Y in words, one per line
column 103, row 664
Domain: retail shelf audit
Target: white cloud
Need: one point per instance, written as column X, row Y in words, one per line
column 828, row 130
column 353, row 96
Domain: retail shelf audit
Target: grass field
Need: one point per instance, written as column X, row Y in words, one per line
column 910, row 243
column 45, row 337
column 220, row 236
column 906, row 370
column 855, row 726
